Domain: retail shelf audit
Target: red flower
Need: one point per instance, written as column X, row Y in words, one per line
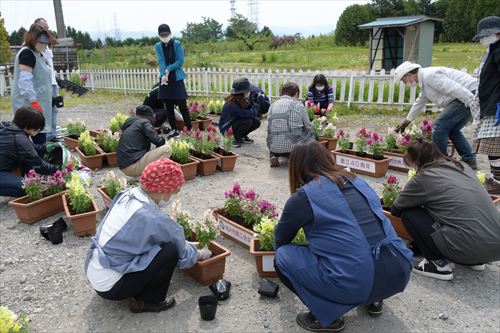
column 392, row 180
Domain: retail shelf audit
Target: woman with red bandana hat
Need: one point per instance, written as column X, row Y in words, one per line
column 137, row 247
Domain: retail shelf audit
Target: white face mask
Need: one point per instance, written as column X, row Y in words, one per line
column 166, row 39
column 488, row 40
column 162, row 203
column 320, row 88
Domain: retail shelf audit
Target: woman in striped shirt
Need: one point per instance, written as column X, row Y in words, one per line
column 321, row 94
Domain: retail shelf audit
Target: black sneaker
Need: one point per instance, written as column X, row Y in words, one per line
column 438, row 269
column 375, row 308
column 137, row 306
column 237, row 143
column 307, row 321
column 246, row 139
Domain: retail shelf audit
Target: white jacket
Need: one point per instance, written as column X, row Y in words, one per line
column 441, row 85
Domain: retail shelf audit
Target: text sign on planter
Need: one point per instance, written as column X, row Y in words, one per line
column 242, row 236
column 397, row 161
column 268, row 264
column 353, row 162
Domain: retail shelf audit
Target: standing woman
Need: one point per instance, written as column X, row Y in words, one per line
column 353, row 256
column 487, row 130
column 170, row 54
column 32, row 85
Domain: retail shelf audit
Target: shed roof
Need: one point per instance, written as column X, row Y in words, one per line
column 401, row 21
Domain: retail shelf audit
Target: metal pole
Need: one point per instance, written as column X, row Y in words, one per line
column 61, row 29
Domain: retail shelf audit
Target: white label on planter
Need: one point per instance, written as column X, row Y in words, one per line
column 353, row 162
column 449, row 150
column 219, row 162
column 268, row 263
column 397, row 161
column 234, row 232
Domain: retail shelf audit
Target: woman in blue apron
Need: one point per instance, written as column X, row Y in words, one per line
column 353, row 256
column 170, row 54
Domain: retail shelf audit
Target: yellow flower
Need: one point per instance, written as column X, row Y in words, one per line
column 481, row 176
column 411, row 173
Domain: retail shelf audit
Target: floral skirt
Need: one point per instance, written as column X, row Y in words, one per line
column 487, row 146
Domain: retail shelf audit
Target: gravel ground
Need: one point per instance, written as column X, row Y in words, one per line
column 48, row 282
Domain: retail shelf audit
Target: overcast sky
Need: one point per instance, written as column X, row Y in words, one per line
column 144, row 17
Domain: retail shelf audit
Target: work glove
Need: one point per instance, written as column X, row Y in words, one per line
column 204, row 254
column 35, row 105
column 401, row 127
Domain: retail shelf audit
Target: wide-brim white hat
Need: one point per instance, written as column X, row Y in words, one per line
column 403, row 69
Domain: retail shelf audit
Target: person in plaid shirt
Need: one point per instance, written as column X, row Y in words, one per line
column 288, row 124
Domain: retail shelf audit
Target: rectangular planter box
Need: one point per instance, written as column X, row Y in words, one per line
column 209, row 271
column 226, row 162
column 195, row 124
column 84, row 224
column 396, row 161
column 232, row 230
column 92, row 162
column 206, row 167
column 190, row 169
column 70, row 142
column 331, row 142
column 398, row 225
column 324, row 143
column 264, row 260
column 105, row 197
column 111, row 159
column 361, row 165
column 204, row 123
column 31, row 212
column 215, row 118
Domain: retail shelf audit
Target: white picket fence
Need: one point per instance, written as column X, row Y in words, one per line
column 351, row 87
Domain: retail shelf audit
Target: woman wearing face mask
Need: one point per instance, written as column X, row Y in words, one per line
column 137, row 247
column 450, row 89
column 487, row 119
column 32, row 84
column 18, row 154
column 321, row 94
column 170, row 54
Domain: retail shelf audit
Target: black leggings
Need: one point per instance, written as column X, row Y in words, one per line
column 244, row 126
column 419, row 223
column 181, row 103
column 150, row 285
column 160, row 116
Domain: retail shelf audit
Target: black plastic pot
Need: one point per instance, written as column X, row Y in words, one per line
column 59, row 223
column 221, row 289
column 55, row 234
column 268, row 288
column 208, row 307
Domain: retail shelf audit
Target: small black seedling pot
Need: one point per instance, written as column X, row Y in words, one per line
column 221, row 289
column 59, row 224
column 55, row 234
column 208, row 307
column 268, row 288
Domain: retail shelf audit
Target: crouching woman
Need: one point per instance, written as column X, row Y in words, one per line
column 353, row 256
column 137, row 246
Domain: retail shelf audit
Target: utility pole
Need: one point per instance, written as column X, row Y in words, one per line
column 61, row 29
column 253, row 12
column 233, row 7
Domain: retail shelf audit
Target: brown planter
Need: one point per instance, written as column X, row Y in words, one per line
column 396, row 161
column 323, row 142
column 264, row 260
column 94, row 134
column 111, row 159
column 232, row 230
column 206, row 167
column 92, row 162
column 204, row 123
column 226, row 162
column 397, row 224
column 362, row 165
column 495, row 199
column 331, row 142
column 215, row 118
column 105, row 197
column 195, row 124
column 209, row 271
column 70, row 142
column 190, row 169
column 84, row 224
column 31, row 212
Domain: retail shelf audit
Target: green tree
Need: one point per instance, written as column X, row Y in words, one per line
column 5, row 55
column 17, row 36
column 208, row 30
column 240, row 26
column 347, row 31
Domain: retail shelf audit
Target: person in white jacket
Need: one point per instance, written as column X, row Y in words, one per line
column 450, row 89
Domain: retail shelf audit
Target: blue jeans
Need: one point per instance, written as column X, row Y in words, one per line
column 448, row 125
column 52, row 133
column 10, row 185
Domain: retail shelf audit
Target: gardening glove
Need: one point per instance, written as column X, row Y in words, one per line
column 204, row 254
column 35, row 105
column 401, row 127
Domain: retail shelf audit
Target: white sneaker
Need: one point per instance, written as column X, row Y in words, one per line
column 478, row 268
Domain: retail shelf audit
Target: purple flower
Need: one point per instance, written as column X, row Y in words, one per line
column 250, row 194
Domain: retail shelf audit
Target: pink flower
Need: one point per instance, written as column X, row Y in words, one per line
column 229, row 132
column 392, row 179
column 250, row 194
column 185, row 130
column 369, row 142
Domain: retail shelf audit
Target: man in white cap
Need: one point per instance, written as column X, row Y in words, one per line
column 450, row 89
